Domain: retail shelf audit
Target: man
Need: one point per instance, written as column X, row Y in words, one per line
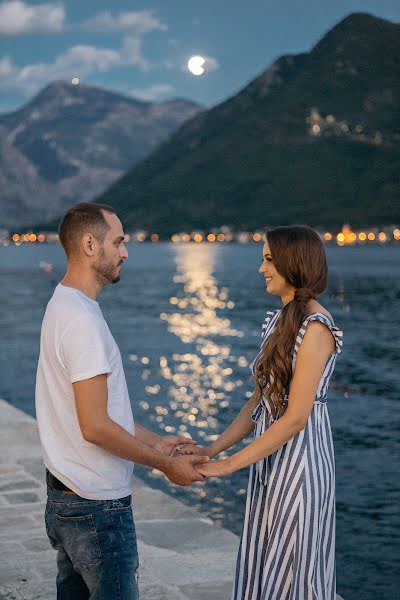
column 88, row 437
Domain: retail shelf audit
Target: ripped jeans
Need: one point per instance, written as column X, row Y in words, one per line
column 97, row 555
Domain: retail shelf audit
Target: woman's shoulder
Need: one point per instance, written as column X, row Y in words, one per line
column 315, row 307
column 320, row 317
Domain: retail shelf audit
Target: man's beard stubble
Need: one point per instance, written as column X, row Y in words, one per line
column 106, row 271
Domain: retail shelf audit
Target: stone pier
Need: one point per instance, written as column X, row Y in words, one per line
column 183, row 554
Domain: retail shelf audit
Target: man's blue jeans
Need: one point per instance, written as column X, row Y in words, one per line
column 96, row 542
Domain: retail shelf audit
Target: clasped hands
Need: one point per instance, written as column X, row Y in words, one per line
column 189, row 462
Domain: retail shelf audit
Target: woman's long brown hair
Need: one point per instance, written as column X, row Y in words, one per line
column 299, row 256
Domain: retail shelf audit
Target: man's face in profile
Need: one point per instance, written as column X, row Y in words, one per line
column 112, row 252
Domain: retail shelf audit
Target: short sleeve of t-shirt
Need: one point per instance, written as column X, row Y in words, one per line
column 83, row 349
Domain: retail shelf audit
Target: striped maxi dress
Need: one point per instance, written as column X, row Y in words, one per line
column 287, row 549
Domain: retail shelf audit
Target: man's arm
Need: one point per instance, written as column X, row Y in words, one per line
column 146, row 436
column 166, row 444
column 91, row 397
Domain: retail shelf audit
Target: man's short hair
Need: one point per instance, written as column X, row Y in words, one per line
column 86, row 217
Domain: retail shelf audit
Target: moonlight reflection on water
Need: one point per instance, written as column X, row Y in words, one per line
column 200, row 381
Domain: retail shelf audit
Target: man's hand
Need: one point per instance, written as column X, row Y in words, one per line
column 181, row 469
column 167, row 444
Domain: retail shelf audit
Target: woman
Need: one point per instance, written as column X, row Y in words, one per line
column 287, row 549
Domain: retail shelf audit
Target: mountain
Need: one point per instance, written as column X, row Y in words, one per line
column 313, row 139
column 70, row 142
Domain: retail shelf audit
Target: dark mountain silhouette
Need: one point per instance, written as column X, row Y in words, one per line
column 315, row 139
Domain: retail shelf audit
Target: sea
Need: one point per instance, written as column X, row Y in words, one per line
column 187, row 319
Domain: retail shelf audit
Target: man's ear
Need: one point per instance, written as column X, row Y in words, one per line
column 89, row 244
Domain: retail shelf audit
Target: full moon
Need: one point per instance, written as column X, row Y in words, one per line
column 196, row 65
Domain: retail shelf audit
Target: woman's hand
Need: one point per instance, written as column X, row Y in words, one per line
column 168, row 444
column 215, row 468
column 193, row 450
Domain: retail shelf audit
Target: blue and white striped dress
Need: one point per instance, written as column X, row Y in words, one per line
column 287, row 549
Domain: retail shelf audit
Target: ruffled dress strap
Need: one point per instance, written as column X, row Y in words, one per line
column 266, row 328
column 267, row 321
column 318, row 316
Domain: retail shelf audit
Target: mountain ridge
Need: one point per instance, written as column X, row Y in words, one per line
column 71, row 141
column 315, row 137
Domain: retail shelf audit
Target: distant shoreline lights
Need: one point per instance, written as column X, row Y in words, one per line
column 345, row 237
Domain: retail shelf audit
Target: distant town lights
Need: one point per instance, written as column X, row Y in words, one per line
column 329, row 125
column 346, row 236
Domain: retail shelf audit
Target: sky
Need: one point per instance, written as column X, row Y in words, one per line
column 141, row 49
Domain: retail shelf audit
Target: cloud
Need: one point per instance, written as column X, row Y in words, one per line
column 131, row 53
column 82, row 60
column 153, row 92
column 211, row 63
column 136, row 22
column 6, row 67
column 78, row 61
column 17, row 17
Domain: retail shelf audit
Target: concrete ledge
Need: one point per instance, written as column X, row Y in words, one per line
column 183, row 555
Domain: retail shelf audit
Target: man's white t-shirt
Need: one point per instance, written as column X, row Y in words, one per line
column 76, row 344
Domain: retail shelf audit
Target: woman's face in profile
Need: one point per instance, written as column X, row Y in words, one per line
column 275, row 283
